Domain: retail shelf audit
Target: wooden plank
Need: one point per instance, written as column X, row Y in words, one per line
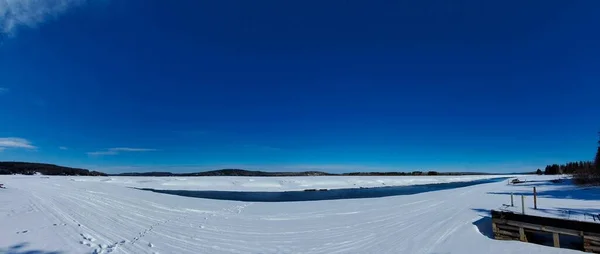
column 499, row 221
column 503, row 224
column 544, row 228
column 592, row 249
column 507, row 227
column 556, row 240
column 522, row 235
column 505, row 238
column 573, row 225
column 590, row 242
column 508, row 233
column 593, row 238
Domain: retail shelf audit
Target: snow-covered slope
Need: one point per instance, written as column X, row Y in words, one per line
column 87, row 215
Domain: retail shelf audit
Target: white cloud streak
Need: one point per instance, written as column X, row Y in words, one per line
column 63, row 148
column 10, row 143
column 30, row 13
column 126, row 149
column 118, row 150
column 3, row 89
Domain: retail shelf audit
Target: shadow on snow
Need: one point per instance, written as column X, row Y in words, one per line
column 562, row 191
column 21, row 248
column 484, row 226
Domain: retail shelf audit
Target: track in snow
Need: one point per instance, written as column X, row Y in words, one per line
column 98, row 217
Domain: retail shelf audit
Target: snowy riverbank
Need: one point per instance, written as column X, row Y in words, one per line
column 228, row 183
column 104, row 215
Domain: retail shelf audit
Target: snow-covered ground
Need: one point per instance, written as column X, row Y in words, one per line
column 103, row 215
column 571, row 206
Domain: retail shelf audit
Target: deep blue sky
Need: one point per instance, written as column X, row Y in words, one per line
column 139, row 85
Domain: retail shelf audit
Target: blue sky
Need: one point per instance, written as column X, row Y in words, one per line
column 339, row 86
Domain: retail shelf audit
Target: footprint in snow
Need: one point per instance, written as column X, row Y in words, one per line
column 87, row 237
column 23, row 232
column 104, row 248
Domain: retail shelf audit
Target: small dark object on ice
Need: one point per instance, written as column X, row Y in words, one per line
column 516, row 180
column 2, row 186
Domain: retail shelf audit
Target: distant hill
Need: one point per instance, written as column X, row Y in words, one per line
column 242, row 172
column 27, row 168
column 229, row 172
column 414, row 173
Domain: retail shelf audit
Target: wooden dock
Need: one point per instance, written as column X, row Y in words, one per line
column 521, row 227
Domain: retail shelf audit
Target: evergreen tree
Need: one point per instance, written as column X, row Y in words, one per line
column 597, row 160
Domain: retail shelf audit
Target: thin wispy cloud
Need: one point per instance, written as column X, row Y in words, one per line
column 125, row 149
column 63, row 148
column 3, row 90
column 15, row 143
column 118, row 150
column 31, row 13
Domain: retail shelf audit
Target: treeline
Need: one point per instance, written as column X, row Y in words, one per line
column 584, row 172
column 569, row 168
column 27, row 168
column 414, row 173
column 229, row 172
column 242, row 172
column 590, row 175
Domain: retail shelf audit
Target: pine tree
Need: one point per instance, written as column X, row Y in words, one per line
column 597, row 160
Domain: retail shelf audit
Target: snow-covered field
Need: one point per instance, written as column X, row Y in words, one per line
column 103, row 215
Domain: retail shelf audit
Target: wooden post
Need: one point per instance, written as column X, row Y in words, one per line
column 556, row 240
column 534, row 198
column 523, row 204
column 522, row 236
column 512, row 203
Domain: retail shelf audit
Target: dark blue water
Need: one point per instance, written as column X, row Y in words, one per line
column 290, row 196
